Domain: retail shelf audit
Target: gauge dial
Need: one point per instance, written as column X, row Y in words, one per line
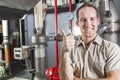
column 69, row 16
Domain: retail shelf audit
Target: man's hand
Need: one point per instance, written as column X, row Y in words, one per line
column 65, row 68
column 68, row 41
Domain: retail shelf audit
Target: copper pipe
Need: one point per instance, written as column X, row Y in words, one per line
column 7, row 58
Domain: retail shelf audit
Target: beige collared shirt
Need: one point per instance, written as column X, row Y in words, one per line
column 100, row 57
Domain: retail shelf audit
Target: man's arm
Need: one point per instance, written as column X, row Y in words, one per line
column 65, row 68
column 112, row 75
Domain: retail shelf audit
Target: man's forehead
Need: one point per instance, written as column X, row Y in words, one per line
column 87, row 11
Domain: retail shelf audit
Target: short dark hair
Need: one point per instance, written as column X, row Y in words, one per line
column 86, row 4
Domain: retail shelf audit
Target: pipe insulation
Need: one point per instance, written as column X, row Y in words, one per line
column 6, row 46
column 5, row 30
column 38, row 16
column 5, row 40
column 107, row 8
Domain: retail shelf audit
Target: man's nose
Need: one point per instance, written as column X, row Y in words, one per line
column 87, row 23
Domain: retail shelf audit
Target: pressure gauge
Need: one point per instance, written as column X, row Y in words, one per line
column 69, row 16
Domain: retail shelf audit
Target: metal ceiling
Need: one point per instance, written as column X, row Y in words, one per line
column 15, row 9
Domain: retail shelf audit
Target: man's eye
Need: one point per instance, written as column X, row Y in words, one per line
column 82, row 20
column 92, row 19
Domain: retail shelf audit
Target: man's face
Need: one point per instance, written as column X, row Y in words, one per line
column 88, row 21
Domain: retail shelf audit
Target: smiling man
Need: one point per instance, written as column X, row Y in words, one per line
column 92, row 58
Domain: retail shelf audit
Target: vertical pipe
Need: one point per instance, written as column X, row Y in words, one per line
column 6, row 46
column 70, row 5
column 107, row 8
column 40, row 41
column 56, row 30
column 70, row 10
column 5, row 40
column 21, row 42
column 5, row 30
column 38, row 14
column 1, row 55
column 7, row 58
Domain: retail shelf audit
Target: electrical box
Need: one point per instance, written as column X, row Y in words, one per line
column 21, row 53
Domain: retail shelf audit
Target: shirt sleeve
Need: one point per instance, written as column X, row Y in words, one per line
column 113, row 58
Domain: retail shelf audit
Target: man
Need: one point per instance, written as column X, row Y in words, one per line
column 92, row 58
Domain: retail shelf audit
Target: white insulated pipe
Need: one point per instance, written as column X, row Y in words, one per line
column 6, row 46
column 38, row 16
column 5, row 27
column 5, row 30
column 107, row 7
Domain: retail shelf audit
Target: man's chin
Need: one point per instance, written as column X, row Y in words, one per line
column 88, row 36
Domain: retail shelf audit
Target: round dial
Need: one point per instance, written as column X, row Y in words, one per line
column 69, row 16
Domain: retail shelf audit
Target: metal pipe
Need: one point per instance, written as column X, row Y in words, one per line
column 5, row 40
column 39, row 40
column 5, row 31
column 21, row 42
column 70, row 5
column 107, row 8
column 56, row 30
column 70, row 10
column 38, row 12
column 112, row 21
column 6, row 46
column 40, row 61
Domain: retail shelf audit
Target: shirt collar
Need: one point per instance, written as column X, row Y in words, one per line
column 97, row 40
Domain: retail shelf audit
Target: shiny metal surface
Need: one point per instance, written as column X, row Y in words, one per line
column 111, row 19
column 39, row 39
column 111, row 36
column 19, row 4
column 114, row 14
column 15, row 9
column 113, row 27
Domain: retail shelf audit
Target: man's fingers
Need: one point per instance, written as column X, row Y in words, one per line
column 63, row 32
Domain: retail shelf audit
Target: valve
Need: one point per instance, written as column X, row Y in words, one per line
column 52, row 73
